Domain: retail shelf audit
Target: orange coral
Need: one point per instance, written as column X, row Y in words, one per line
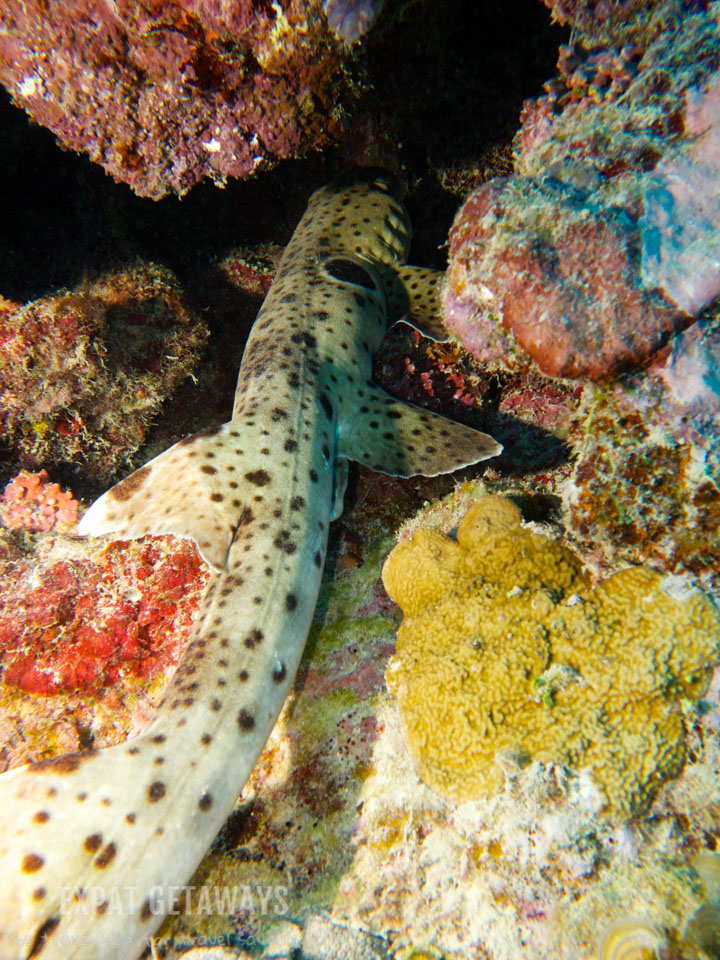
column 30, row 502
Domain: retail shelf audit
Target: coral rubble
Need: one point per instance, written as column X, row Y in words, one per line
column 644, row 485
column 506, row 649
column 164, row 94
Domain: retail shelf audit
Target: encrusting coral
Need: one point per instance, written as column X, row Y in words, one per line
column 507, row 649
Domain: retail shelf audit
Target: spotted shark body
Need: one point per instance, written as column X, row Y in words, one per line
column 90, row 842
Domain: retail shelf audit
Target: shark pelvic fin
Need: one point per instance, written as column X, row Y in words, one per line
column 414, row 295
column 194, row 489
column 394, row 437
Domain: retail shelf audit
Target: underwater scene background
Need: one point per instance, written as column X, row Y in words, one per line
column 504, row 737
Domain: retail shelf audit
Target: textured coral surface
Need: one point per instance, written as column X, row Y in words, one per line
column 92, row 629
column 164, row 94
column 563, row 278
column 83, row 371
column 505, row 649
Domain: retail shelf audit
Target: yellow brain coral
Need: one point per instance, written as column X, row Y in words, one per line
column 507, row 648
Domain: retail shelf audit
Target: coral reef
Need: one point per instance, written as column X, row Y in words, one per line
column 506, row 649
column 30, row 502
column 85, row 623
column 644, row 486
column 89, row 632
column 83, row 371
column 563, row 280
column 439, row 376
column 600, row 247
column 163, row 95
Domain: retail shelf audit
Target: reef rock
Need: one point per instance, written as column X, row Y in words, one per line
column 162, row 95
column 601, row 246
column 83, row 372
column 558, row 268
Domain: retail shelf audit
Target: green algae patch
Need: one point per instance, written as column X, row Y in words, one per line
column 507, row 649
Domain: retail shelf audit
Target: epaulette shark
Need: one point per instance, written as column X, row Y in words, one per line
column 91, row 843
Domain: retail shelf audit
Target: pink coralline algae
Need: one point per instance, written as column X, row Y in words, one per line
column 164, row 94
column 90, row 622
column 82, row 372
column 30, row 502
column 600, row 247
column 350, row 19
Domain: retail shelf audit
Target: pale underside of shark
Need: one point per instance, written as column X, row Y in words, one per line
column 257, row 495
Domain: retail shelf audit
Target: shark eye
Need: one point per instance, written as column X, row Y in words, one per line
column 350, row 271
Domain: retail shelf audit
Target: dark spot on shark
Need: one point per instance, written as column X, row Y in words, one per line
column 206, row 468
column 297, row 503
column 326, row 405
column 243, row 676
column 105, row 857
column 254, row 638
column 205, row 802
column 93, row 842
column 130, row 485
column 259, row 477
column 42, row 935
column 290, row 445
column 65, row 764
column 32, row 862
column 156, row 790
column 279, row 672
column 291, row 602
column 246, row 721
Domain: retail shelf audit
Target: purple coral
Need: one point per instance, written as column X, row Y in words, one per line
column 681, row 249
column 350, row 19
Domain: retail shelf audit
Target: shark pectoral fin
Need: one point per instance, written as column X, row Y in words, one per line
column 394, row 437
column 190, row 490
column 414, row 295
